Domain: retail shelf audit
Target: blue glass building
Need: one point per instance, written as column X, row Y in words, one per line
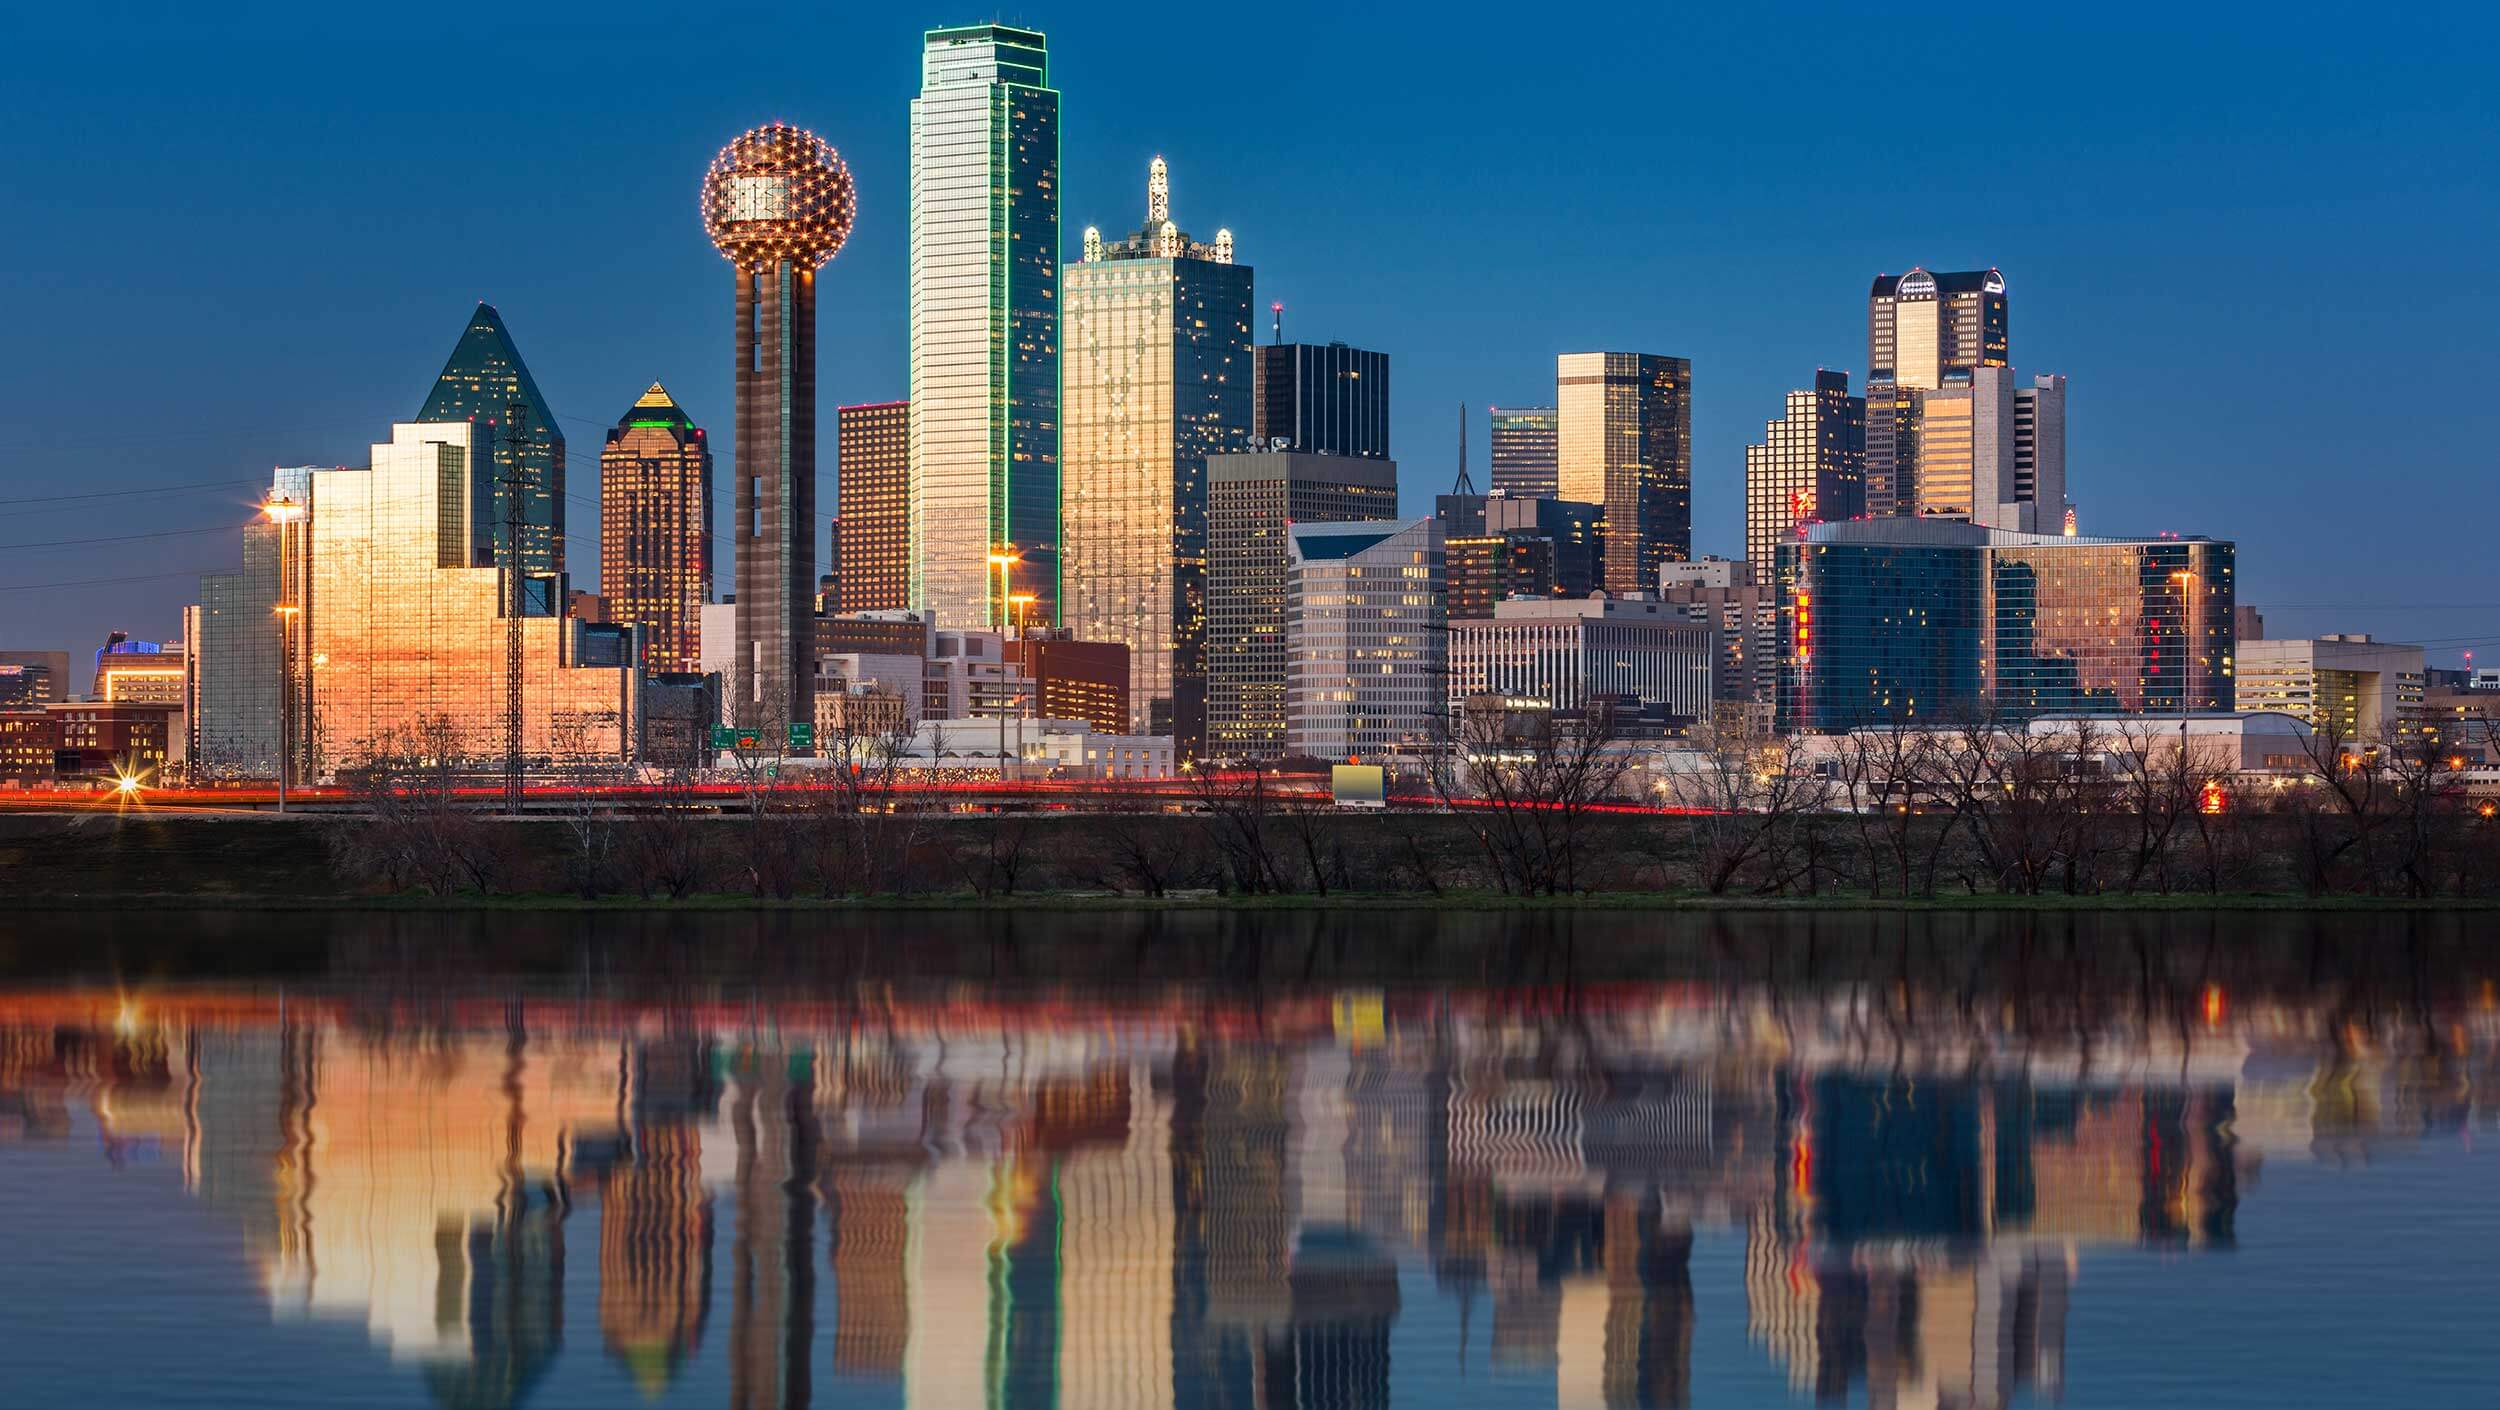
column 1942, row 621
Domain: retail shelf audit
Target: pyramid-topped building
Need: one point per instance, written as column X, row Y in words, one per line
column 484, row 378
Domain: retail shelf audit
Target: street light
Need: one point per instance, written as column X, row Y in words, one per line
column 1004, row 558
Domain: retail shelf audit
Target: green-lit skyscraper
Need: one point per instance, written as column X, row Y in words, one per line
column 484, row 377
column 985, row 327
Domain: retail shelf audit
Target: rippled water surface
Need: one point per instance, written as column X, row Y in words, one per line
column 1183, row 1160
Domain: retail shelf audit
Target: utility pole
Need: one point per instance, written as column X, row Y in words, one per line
column 515, row 481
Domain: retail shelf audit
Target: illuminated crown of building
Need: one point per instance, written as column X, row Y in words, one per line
column 778, row 193
column 1158, row 238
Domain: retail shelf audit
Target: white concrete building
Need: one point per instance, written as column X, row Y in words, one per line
column 1564, row 651
column 1364, row 624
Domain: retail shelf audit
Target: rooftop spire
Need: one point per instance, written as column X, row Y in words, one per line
column 1158, row 193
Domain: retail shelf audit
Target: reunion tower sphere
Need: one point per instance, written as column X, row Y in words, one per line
column 778, row 192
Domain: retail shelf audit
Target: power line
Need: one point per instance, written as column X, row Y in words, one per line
column 94, row 582
column 123, row 538
column 124, row 494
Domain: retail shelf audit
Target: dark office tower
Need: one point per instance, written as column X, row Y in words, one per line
column 1576, row 530
column 1524, row 451
column 484, row 377
column 1328, row 400
column 1924, row 330
column 1155, row 342
column 1624, row 440
column 1810, row 467
column 655, row 529
column 1251, row 499
column 873, row 479
column 778, row 204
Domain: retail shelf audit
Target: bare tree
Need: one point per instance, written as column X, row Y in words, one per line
column 2163, row 781
column 662, row 842
column 1884, row 770
column 1239, row 806
column 1527, row 784
column 413, row 828
column 2351, row 780
column 591, row 777
column 1749, row 799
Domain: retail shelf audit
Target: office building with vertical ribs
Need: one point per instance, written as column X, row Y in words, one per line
column 655, row 529
column 1328, row 399
column 873, row 485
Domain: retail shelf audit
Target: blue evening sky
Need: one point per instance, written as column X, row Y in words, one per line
column 2260, row 241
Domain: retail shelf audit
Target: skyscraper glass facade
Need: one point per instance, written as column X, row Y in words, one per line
column 480, row 383
column 236, row 655
column 655, row 529
column 1810, row 467
column 984, row 324
column 874, row 459
column 407, row 637
column 1326, row 398
column 1625, row 441
column 1943, row 622
column 1157, row 379
column 1523, row 450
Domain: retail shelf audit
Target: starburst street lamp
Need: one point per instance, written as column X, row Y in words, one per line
column 1005, row 558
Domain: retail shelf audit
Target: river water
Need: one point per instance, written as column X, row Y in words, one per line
column 1239, row 1160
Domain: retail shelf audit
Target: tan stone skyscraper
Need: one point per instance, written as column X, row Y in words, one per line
column 1810, row 468
column 1625, row 441
column 655, row 529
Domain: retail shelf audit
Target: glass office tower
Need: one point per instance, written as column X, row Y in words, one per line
column 480, row 383
column 1941, row 622
column 1326, row 398
column 1157, row 345
column 408, row 634
column 984, row 326
column 1624, row 439
column 1523, row 443
column 1810, row 467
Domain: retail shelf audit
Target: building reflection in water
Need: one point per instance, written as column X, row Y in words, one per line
column 1169, row 1202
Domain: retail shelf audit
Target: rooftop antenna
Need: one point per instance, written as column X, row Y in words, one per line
column 1466, row 483
column 1277, row 334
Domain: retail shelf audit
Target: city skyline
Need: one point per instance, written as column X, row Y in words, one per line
column 2141, row 461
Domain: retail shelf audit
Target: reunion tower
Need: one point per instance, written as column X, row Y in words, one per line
column 778, row 203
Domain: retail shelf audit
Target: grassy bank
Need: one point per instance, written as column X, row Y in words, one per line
column 1071, row 863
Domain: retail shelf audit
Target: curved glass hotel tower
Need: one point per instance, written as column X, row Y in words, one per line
column 985, row 327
